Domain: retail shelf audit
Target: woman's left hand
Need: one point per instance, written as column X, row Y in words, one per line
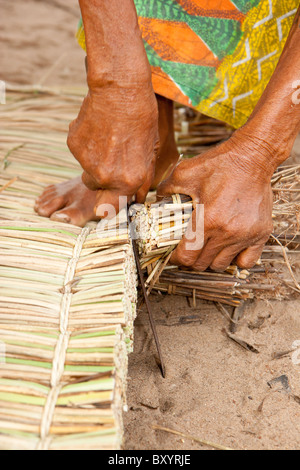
column 233, row 182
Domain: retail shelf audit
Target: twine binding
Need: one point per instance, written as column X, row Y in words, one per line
column 61, row 348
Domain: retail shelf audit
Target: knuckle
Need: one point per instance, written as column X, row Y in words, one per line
column 200, row 267
column 219, row 266
column 73, row 144
column 100, row 178
column 106, row 176
column 262, row 234
column 232, row 231
column 133, row 182
column 247, row 263
column 70, row 143
column 130, row 183
column 184, row 259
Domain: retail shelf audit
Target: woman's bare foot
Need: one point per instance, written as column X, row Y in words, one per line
column 73, row 203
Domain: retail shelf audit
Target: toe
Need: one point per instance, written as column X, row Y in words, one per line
column 46, row 195
column 69, row 216
column 45, row 198
column 46, row 192
column 47, row 207
column 61, row 216
column 74, row 215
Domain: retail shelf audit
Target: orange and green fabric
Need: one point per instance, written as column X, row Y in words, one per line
column 216, row 56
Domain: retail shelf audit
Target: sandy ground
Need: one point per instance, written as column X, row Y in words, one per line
column 214, row 390
column 38, row 46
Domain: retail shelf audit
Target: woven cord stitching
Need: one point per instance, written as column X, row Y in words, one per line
column 61, row 348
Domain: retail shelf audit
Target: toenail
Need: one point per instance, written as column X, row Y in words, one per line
column 63, row 218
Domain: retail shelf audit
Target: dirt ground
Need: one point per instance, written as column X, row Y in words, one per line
column 214, row 390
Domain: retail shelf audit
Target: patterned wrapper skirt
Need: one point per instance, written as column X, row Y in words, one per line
column 216, row 56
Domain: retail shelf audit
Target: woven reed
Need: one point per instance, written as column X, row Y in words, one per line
column 67, row 295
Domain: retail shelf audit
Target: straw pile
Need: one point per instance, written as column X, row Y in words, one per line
column 67, row 295
column 160, row 228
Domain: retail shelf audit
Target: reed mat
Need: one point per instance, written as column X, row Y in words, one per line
column 67, row 295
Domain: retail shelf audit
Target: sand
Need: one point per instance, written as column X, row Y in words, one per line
column 214, row 389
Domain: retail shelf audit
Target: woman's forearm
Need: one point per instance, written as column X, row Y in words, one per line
column 115, row 50
column 276, row 118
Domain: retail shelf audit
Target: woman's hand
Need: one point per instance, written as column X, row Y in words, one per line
column 115, row 139
column 232, row 181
